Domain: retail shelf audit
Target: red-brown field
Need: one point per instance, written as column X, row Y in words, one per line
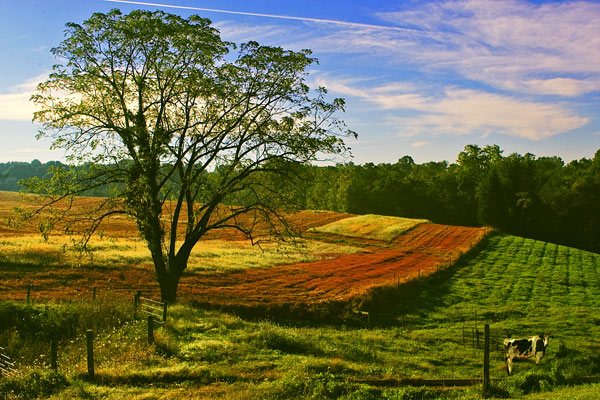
column 421, row 250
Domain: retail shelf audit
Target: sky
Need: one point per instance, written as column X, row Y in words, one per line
column 420, row 78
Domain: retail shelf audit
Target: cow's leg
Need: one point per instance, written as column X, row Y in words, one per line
column 538, row 357
column 509, row 361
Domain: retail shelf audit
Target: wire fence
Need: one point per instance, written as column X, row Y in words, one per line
column 7, row 366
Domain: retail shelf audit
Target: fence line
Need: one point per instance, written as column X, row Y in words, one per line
column 157, row 311
column 153, row 308
column 474, row 336
column 7, row 366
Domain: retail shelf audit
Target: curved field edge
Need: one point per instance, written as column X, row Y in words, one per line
column 342, row 275
column 120, row 226
column 335, row 287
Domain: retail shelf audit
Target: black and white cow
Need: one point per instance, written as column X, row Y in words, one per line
column 520, row 349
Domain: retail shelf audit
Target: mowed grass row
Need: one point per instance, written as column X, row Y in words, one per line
column 525, row 286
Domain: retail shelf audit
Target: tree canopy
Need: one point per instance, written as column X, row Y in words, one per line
column 161, row 109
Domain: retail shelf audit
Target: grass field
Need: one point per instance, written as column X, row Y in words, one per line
column 214, row 354
column 519, row 286
column 371, row 226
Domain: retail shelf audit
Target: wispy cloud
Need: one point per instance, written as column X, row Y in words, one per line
column 466, row 111
column 512, row 45
column 40, row 49
column 551, row 48
column 15, row 104
column 276, row 16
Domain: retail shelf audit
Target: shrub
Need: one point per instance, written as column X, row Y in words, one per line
column 33, row 385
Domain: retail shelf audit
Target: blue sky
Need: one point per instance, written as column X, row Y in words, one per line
column 421, row 78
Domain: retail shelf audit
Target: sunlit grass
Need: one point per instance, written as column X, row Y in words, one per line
column 371, row 226
column 234, row 255
column 122, row 253
column 60, row 250
column 513, row 284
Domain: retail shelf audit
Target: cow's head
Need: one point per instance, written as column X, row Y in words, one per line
column 546, row 337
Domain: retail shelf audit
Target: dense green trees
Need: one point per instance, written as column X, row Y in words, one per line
column 520, row 194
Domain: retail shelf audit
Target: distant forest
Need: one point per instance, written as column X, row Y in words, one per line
column 537, row 197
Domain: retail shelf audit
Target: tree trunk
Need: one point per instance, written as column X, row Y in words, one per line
column 169, row 280
column 168, row 288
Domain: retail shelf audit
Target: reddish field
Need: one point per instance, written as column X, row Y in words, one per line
column 120, row 226
column 422, row 250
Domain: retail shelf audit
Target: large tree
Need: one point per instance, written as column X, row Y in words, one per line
column 179, row 123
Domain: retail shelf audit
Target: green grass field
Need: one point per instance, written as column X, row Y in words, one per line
column 519, row 286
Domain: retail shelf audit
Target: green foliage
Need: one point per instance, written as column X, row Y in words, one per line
column 32, row 385
column 149, row 103
column 541, row 198
column 62, row 320
column 11, row 173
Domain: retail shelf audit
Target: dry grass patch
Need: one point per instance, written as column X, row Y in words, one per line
column 213, row 255
column 371, row 226
column 219, row 255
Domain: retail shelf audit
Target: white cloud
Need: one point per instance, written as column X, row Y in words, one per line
column 552, row 48
column 419, row 144
column 561, row 86
column 465, row 111
column 15, row 105
column 513, row 45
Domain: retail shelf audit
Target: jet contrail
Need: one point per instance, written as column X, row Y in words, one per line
column 324, row 21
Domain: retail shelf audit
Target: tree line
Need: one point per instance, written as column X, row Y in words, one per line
column 537, row 197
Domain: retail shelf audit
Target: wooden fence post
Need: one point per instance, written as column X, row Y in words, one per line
column 136, row 301
column 477, row 336
column 53, row 355
column 94, row 293
column 28, row 293
column 90, row 352
column 486, row 359
column 150, row 329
